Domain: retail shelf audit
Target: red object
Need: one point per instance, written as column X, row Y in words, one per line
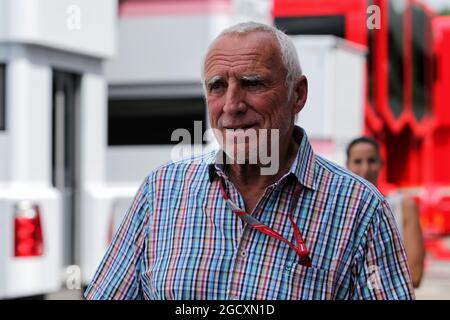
column 301, row 249
column 438, row 248
column 148, row 8
column 353, row 11
column 414, row 134
column 28, row 239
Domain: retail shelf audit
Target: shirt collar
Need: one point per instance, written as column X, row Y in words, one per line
column 302, row 168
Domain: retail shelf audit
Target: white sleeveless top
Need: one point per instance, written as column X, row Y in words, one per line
column 395, row 200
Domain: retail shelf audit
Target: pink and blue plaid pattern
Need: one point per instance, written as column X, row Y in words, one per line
column 180, row 240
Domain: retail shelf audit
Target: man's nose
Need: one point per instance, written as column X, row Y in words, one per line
column 234, row 100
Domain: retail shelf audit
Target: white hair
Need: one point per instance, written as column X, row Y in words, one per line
column 288, row 52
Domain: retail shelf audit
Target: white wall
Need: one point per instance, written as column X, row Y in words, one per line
column 163, row 49
column 28, row 110
column 334, row 111
column 37, row 36
column 54, row 23
column 28, row 101
column 438, row 4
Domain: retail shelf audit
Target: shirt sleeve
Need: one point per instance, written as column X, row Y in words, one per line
column 117, row 276
column 381, row 267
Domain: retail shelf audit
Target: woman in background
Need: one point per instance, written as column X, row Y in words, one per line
column 364, row 159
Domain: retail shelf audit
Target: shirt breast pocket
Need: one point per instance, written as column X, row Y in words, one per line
column 308, row 283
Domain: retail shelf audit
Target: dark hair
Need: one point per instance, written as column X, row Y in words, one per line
column 363, row 139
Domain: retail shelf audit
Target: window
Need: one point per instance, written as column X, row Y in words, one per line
column 2, row 97
column 152, row 121
column 332, row 25
column 421, row 61
column 396, row 78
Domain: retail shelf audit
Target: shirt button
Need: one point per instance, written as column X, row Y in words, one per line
column 243, row 253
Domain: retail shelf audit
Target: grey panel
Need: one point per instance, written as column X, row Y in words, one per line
column 160, row 49
column 174, row 90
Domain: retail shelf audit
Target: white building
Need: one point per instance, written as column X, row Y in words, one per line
column 51, row 126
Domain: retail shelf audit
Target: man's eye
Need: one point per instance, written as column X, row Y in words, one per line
column 215, row 86
column 252, row 84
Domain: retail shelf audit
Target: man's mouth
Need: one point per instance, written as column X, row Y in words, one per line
column 242, row 127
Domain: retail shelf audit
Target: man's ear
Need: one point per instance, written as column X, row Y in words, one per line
column 300, row 93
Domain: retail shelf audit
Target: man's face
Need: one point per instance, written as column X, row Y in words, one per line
column 365, row 161
column 246, row 88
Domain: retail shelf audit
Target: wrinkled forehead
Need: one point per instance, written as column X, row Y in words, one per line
column 258, row 47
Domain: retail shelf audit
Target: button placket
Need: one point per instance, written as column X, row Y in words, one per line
column 238, row 259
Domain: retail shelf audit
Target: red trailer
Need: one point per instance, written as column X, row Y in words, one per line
column 408, row 90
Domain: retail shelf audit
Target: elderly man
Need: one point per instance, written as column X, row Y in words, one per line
column 218, row 227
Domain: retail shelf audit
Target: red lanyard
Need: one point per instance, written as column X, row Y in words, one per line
column 256, row 224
